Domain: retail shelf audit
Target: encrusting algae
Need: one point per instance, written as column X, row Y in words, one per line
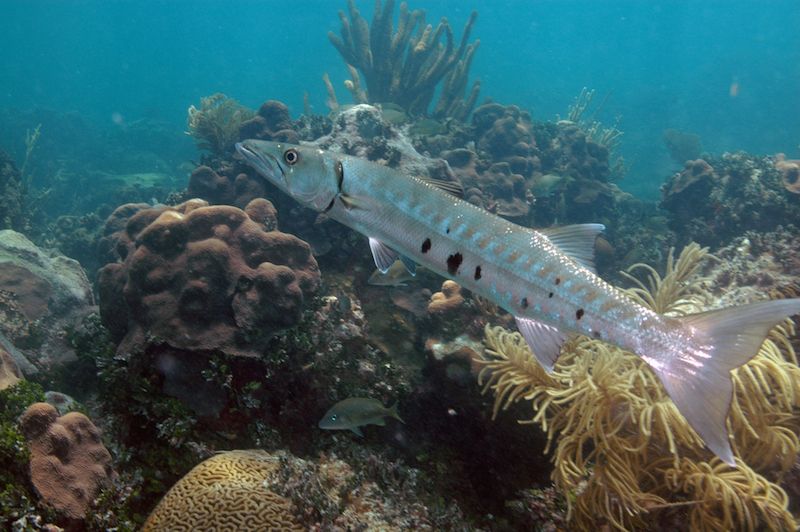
column 623, row 454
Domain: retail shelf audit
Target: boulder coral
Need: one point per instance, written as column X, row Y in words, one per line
column 69, row 464
column 41, row 293
column 197, row 277
column 226, row 492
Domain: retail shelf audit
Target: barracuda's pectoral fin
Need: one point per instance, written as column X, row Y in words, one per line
column 383, row 255
column 576, row 241
column 350, row 202
column 545, row 341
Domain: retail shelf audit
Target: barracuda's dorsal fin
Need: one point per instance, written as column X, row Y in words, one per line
column 545, row 341
column 451, row 187
column 576, row 241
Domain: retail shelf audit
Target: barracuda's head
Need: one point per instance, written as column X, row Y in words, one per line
column 309, row 175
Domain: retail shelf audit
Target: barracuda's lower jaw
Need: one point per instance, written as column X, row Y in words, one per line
column 264, row 163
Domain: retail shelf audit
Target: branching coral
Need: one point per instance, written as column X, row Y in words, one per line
column 406, row 65
column 623, row 455
column 215, row 126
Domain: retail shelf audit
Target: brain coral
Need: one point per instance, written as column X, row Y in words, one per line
column 226, row 492
column 69, row 463
column 200, row 277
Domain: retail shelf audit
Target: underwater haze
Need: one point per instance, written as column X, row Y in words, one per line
column 726, row 71
column 466, row 265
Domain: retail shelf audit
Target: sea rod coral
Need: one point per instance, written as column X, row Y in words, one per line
column 624, row 456
column 405, row 66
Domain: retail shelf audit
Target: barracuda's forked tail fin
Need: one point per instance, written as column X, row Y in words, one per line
column 699, row 383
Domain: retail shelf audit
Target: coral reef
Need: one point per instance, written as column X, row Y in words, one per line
column 69, row 464
column 200, row 278
column 405, row 66
column 623, row 456
column 224, row 186
column 215, row 125
column 715, row 200
column 229, row 491
column 40, row 294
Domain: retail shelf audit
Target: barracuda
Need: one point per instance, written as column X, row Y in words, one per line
column 544, row 278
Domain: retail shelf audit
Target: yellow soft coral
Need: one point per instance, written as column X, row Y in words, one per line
column 623, row 454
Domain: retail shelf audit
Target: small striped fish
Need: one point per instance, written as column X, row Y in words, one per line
column 544, row 278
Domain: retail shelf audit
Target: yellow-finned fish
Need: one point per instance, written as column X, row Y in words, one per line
column 355, row 412
column 544, row 278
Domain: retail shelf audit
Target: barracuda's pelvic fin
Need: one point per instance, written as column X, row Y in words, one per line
column 576, row 241
column 544, row 340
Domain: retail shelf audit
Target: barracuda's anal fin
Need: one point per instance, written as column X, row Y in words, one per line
column 384, row 257
column 699, row 383
column 545, row 341
column 576, row 241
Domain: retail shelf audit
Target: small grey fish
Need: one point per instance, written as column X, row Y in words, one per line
column 355, row 412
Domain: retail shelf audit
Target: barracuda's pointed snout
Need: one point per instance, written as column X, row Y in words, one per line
column 260, row 158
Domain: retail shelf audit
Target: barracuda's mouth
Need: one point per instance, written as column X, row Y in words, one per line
column 265, row 163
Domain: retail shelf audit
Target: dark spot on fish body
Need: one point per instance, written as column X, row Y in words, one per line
column 558, row 281
column 477, row 273
column 579, row 313
column 596, row 334
column 447, row 230
column 454, row 262
column 426, row 246
column 524, row 302
column 550, row 294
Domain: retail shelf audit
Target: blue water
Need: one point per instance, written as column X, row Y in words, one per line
column 727, row 71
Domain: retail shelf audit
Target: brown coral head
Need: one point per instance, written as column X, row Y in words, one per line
column 790, row 172
column 448, row 299
column 37, row 419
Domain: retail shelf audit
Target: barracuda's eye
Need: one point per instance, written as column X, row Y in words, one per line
column 291, row 156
